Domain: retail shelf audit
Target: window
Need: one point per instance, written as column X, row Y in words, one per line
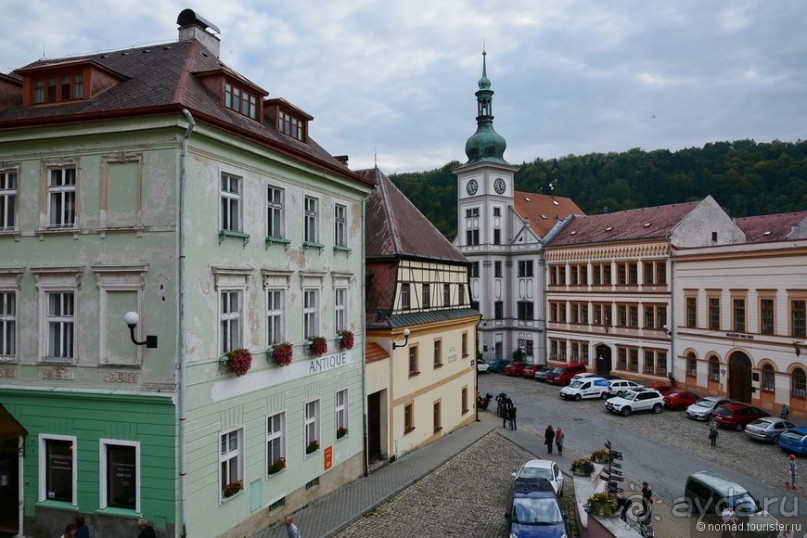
column 525, row 310
column 291, row 126
column 525, row 268
column 649, row 362
column 8, row 200
column 312, row 424
column 8, row 323
column 406, row 302
column 464, row 344
column 714, row 313
column 438, row 422
column 797, row 318
column 59, row 87
column 340, row 225
column 464, row 399
column 62, row 197
column 231, row 458
column 57, row 468
column 409, row 417
column 438, row 353
column 692, row 311
column 714, row 369
column 634, row 359
column 340, row 305
column 661, row 357
column 240, row 100
column 230, row 203
column 498, row 310
column 275, row 438
column 341, row 412
column 766, row 318
column 622, row 315
column 622, row 358
column 274, row 317
column 475, row 270
column 621, row 274
column 692, row 365
column 120, row 474
column 274, row 215
column 413, row 361
column 61, row 324
column 739, row 315
column 461, row 293
column 229, row 320
column 497, row 236
column 768, row 383
column 497, row 269
column 633, row 316
column 446, row 294
column 633, row 273
column 497, row 211
column 799, row 388
column 648, row 272
column 661, row 273
column 472, row 237
column 311, row 220
column 427, row 297
column 311, row 313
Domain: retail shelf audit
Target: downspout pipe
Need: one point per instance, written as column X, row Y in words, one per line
column 183, row 175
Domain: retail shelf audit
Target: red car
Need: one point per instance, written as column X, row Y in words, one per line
column 736, row 415
column 662, row 387
column 680, row 399
column 529, row 371
column 515, row 368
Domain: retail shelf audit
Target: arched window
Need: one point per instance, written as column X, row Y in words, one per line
column 714, row 369
column 767, row 378
column 799, row 383
column 692, row 364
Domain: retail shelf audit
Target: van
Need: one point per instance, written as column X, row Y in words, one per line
column 562, row 375
column 587, row 387
column 708, row 493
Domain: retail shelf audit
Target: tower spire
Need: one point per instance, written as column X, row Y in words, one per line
column 485, row 144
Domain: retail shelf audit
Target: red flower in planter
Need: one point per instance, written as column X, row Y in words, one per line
column 318, row 346
column 282, row 353
column 239, row 361
column 347, row 339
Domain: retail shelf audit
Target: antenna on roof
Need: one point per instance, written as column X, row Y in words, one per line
column 375, row 157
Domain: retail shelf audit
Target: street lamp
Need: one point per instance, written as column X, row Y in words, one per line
column 132, row 319
column 406, row 333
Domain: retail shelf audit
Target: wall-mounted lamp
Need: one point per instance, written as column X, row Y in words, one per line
column 667, row 330
column 406, row 333
column 796, row 344
column 132, row 319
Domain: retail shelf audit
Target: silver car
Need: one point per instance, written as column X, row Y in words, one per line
column 768, row 429
column 702, row 409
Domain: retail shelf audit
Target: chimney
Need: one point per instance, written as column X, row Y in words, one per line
column 193, row 26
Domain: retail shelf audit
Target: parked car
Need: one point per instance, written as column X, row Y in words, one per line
column 529, row 371
column 562, row 375
column 543, row 469
column 583, row 375
column 631, row 401
column 662, row 386
column 702, row 409
column 497, row 365
column 588, row 387
column 515, row 368
column 482, row 367
column 736, row 415
column 533, row 510
column 542, row 372
column 794, row 440
column 615, row 386
column 768, row 429
column 680, row 399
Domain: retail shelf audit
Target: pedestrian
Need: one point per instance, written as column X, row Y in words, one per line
column 791, row 467
column 785, row 412
column 647, row 499
column 511, row 415
column 713, row 432
column 508, row 403
column 146, row 530
column 82, row 530
column 549, row 438
column 729, row 521
column 559, row 436
column 70, row 531
column 291, row 528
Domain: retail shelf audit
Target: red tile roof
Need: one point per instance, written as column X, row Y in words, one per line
column 542, row 212
column 770, row 228
column 632, row 224
column 374, row 352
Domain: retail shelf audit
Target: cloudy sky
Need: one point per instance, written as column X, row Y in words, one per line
column 393, row 81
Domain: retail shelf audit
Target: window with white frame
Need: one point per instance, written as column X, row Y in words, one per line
column 8, row 323
column 340, row 225
column 342, row 426
column 8, row 199
column 340, row 306
column 230, row 203
column 119, row 470
column 58, row 305
column 274, row 316
column 312, row 426
column 231, row 458
column 62, row 197
column 58, row 455
column 311, row 313
column 61, row 323
column 274, row 215
column 311, row 228
column 230, row 314
column 276, row 441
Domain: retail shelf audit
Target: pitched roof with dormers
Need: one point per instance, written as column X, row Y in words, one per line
column 542, row 212
column 777, row 227
column 629, row 225
column 158, row 79
column 394, row 227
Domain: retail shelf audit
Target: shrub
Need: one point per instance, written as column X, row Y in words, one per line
column 318, row 345
column 347, row 339
column 282, row 353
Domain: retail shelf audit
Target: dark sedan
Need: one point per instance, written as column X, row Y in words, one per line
column 497, row 365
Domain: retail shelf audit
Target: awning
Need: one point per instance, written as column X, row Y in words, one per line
column 9, row 427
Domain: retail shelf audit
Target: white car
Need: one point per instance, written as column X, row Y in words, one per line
column 583, row 375
column 543, row 469
column 615, row 386
column 630, row 401
column 588, row 387
column 482, row 366
column 702, row 409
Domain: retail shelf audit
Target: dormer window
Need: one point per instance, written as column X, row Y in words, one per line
column 287, row 118
column 290, row 125
column 240, row 100
column 59, row 87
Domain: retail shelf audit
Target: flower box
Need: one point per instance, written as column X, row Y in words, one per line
column 282, row 353
column 341, row 432
column 582, row 467
column 346, row 339
column 601, row 504
column 277, row 466
column 232, row 488
column 600, row 456
column 312, row 447
column 318, row 345
column 238, row 361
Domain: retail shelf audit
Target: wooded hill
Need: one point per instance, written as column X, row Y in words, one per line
column 744, row 177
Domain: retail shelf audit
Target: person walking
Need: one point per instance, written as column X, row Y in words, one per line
column 785, row 412
column 549, row 438
column 713, row 432
column 146, row 530
column 291, row 528
column 647, row 499
column 511, row 415
column 791, row 467
column 70, row 531
column 559, row 436
column 508, row 403
column 82, row 530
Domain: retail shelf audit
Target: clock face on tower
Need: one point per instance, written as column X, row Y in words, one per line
column 472, row 187
column 499, row 185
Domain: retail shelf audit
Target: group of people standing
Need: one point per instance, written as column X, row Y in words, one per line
column 507, row 411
